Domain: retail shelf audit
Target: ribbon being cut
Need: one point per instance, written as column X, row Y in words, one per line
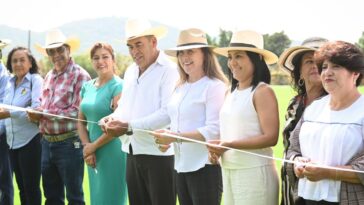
column 10, row 107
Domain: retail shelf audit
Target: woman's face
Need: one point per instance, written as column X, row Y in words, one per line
column 240, row 66
column 336, row 78
column 20, row 63
column 191, row 61
column 309, row 71
column 103, row 62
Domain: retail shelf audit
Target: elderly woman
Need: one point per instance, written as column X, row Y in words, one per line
column 106, row 162
column 330, row 132
column 298, row 62
column 23, row 137
column 194, row 113
column 248, row 120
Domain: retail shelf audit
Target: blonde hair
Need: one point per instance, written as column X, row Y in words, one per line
column 211, row 68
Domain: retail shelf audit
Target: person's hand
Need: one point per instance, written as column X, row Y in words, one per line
column 213, row 158
column 116, row 128
column 91, row 160
column 102, row 123
column 34, row 116
column 161, row 139
column 88, row 149
column 299, row 166
column 218, row 151
column 314, row 173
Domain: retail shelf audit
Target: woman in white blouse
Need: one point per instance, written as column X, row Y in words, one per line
column 331, row 133
column 194, row 113
column 248, row 120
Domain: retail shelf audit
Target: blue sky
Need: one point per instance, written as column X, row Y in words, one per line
column 335, row 20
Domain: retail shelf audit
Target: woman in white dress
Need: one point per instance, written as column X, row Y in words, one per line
column 194, row 113
column 331, row 132
column 249, row 121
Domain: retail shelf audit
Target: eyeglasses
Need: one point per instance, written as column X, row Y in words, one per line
column 53, row 51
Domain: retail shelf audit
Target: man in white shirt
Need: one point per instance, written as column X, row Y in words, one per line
column 148, row 86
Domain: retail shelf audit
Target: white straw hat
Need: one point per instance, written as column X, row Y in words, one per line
column 135, row 28
column 54, row 39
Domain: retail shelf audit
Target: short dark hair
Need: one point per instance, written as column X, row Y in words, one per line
column 344, row 54
column 33, row 69
column 261, row 71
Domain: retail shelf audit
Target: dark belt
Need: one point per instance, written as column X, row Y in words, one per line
column 60, row 137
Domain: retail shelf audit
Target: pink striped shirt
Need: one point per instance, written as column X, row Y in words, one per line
column 61, row 96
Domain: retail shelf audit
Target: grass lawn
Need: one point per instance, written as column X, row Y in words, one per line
column 283, row 93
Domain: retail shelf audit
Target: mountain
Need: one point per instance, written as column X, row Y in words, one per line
column 89, row 31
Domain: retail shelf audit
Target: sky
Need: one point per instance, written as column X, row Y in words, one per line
column 299, row 19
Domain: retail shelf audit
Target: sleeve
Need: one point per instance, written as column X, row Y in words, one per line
column 357, row 163
column 117, row 87
column 159, row 118
column 214, row 101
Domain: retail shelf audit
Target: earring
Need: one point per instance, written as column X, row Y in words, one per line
column 301, row 82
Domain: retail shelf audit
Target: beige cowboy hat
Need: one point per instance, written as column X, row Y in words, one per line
column 54, row 39
column 248, row 41
column 4, row 43
column 188, row 39
column 290, row 55
column 135, row 28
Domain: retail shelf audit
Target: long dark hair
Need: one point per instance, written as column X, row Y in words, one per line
column 261, row 72
column 33, row 69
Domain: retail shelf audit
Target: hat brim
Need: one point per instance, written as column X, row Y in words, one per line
column 159, row 32
column 173, row 51
column 4, row 43
column 269, row 57
column 285, row 60
column 74, row 44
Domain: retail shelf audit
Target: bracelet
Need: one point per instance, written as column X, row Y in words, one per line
column 178, row 140
column 130, row 130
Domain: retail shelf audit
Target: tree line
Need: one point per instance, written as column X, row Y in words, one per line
column 276, row 42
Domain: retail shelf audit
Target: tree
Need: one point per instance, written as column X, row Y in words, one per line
column 276, row 42
column 360, row 43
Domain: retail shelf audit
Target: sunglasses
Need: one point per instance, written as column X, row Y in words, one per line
column 53, row 51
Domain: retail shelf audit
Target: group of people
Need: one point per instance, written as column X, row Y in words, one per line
column 72, row 119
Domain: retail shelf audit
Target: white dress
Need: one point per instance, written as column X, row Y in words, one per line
column 248, row 179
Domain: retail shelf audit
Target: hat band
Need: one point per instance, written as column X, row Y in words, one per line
column 191, row 44
column 242, row 45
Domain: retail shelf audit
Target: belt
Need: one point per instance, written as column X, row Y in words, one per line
column 60, row 137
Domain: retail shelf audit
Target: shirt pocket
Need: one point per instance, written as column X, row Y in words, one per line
column 64, row 97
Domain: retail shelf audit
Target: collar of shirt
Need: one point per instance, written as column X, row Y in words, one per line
column 28, row 77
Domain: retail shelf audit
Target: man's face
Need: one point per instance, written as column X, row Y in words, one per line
column 60, row 57
column 143, row 50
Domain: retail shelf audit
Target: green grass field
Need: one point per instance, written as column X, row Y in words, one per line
column 283, row 93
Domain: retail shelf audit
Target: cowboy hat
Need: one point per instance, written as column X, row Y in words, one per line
column 188, row 39
column 54, row 39
column 4, row 43
column 290, row 55
column 248, row 41
column 135, row 28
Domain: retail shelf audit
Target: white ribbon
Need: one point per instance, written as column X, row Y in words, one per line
column 10, row 107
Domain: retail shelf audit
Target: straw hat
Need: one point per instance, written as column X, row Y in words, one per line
column 248, row 41
column 54, row 39
column 135, row 28
column 4, row 43
column 290, row 55
column 188, row 39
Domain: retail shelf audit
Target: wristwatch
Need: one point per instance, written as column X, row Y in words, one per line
column 130, row 130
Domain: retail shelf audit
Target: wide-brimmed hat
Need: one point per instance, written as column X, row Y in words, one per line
column 54, row 39
column 4, row 43
column 248, row 41
column 135, row 28
column 188, row 39
column 287, row 58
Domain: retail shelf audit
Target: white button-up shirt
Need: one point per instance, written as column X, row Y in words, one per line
column 143, row 103
column 195, row 107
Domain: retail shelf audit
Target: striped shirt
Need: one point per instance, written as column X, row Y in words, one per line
column 61, row 96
